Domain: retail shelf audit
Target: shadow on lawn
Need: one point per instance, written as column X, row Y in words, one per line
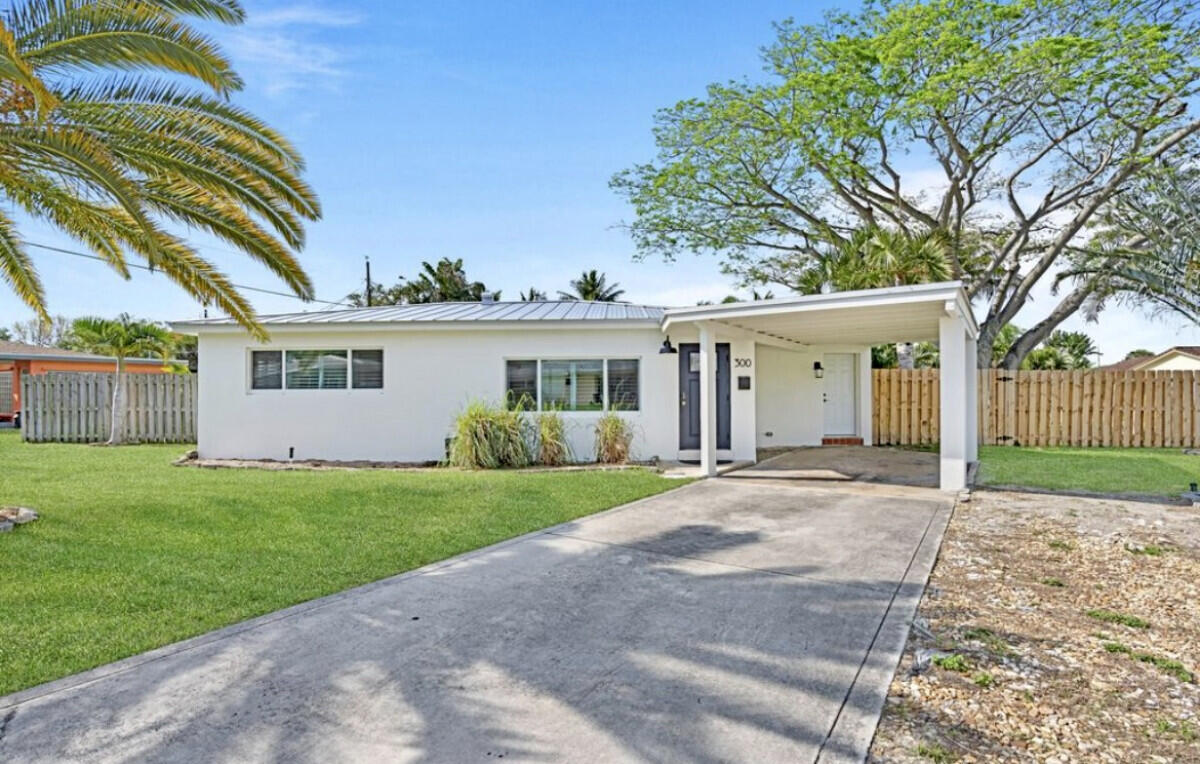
column 620, row 652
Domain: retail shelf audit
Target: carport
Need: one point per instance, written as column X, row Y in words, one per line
column 921, row 313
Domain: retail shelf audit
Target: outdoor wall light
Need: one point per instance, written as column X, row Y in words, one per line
column 818, row 370
column 666, row 347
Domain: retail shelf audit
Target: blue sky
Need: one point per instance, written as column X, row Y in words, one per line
column 486, row 131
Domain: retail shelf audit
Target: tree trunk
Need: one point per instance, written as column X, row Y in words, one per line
column 1042, row 329
column 117, row 436
column 904, row 355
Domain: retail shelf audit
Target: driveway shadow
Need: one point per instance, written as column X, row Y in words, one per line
column 545, row 648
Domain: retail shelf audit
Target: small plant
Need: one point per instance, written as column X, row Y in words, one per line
column 552, row 447
column 952, row 663
column 488, row 437
column 1172, row 667
column 1060, row 545
column 983, row 679
column 614, row 436
column 1150, row 550
column 995, row 643
column 1052, row 581
column 1109, row 616
column 934, row 752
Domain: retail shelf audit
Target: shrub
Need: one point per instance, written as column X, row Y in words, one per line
column 487, row 437
column 613, row 438
column 552, row 446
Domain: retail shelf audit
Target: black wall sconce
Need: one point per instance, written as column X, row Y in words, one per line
column 666, row 347
column 818, row 370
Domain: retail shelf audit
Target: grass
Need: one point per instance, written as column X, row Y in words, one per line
column 1110, row 616
column 1147, row 471
column 934, row 752
column 1167, row 665
column 131, row 553
column 1057, row 583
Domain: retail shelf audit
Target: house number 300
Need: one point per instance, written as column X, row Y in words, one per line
column 741, row 363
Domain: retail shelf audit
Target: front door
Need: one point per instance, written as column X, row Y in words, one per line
column 689, row 396
column 840, row 394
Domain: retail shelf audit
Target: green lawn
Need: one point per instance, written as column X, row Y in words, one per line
column 1152, row 471
column 132, row 553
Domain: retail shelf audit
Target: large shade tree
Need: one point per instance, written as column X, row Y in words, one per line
column 122, row 338
column 1018, row 131
column 116, row 128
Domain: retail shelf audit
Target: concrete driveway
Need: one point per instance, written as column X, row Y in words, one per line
column 729, row 620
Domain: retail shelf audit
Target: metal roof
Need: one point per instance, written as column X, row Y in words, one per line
column 565, row 310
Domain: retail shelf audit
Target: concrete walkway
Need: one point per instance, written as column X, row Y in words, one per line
column 729, row 620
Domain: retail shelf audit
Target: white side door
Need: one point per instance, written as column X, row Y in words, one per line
column 840, row 394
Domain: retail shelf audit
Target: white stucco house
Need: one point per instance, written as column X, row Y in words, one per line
column 705, row 383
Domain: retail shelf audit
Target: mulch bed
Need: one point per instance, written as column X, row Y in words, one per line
column 1054, row 629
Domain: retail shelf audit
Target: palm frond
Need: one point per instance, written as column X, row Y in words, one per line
column 18, row 269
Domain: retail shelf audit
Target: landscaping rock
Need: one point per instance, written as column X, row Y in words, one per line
column 17, row 515
column 6, row 526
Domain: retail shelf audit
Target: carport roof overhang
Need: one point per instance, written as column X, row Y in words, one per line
column 864, row 317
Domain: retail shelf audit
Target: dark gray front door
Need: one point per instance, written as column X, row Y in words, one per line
column 689, row 395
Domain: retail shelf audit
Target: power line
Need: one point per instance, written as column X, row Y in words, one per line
column 277, row 293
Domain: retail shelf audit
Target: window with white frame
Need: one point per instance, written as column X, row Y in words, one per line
column 592, row 384
column 334, row 369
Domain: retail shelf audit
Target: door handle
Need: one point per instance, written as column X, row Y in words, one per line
column 683, row 400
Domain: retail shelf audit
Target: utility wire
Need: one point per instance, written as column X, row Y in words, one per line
column 147, row 268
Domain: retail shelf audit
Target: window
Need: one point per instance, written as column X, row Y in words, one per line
column 573, row 385
column 520, row 380
column 623, row 384
column 266, row 369
column 366, row 369
column 570, row 385
column 316, row 369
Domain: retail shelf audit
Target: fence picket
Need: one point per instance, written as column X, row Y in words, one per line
column 1083, row 408
column 75, row 407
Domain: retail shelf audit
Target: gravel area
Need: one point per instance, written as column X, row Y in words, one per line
column 1054, row 629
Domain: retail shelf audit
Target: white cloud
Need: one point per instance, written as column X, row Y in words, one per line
column 280, row 49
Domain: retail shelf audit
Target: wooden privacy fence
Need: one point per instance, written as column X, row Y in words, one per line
column 75, row 407
column 1047, row 408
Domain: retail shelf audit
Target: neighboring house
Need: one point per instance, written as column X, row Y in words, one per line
column 17, row 358
column 1178, row 358
column 385, row 383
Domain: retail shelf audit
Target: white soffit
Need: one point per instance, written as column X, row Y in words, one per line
column 866, row 317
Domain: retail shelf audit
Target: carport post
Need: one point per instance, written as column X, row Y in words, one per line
column 952, row 347
column 708, row 400
column 972, row 368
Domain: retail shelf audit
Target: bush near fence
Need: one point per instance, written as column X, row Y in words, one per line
column 75, row 407
column 1084, row 408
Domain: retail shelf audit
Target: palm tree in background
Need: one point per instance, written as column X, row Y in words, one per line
column 444, row 282
column 533, row 295
column 873, row 258
column 115, row 122
column 121, row 338
column 592, row 286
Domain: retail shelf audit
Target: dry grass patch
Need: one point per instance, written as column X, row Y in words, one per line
column 1070, row 641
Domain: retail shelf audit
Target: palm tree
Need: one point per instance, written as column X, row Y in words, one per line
column 873, row 257
column 121, row 338
column 115, row 123
column 593, row 287
column 1075, row 347
column 444, row 282
column 533, row 295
